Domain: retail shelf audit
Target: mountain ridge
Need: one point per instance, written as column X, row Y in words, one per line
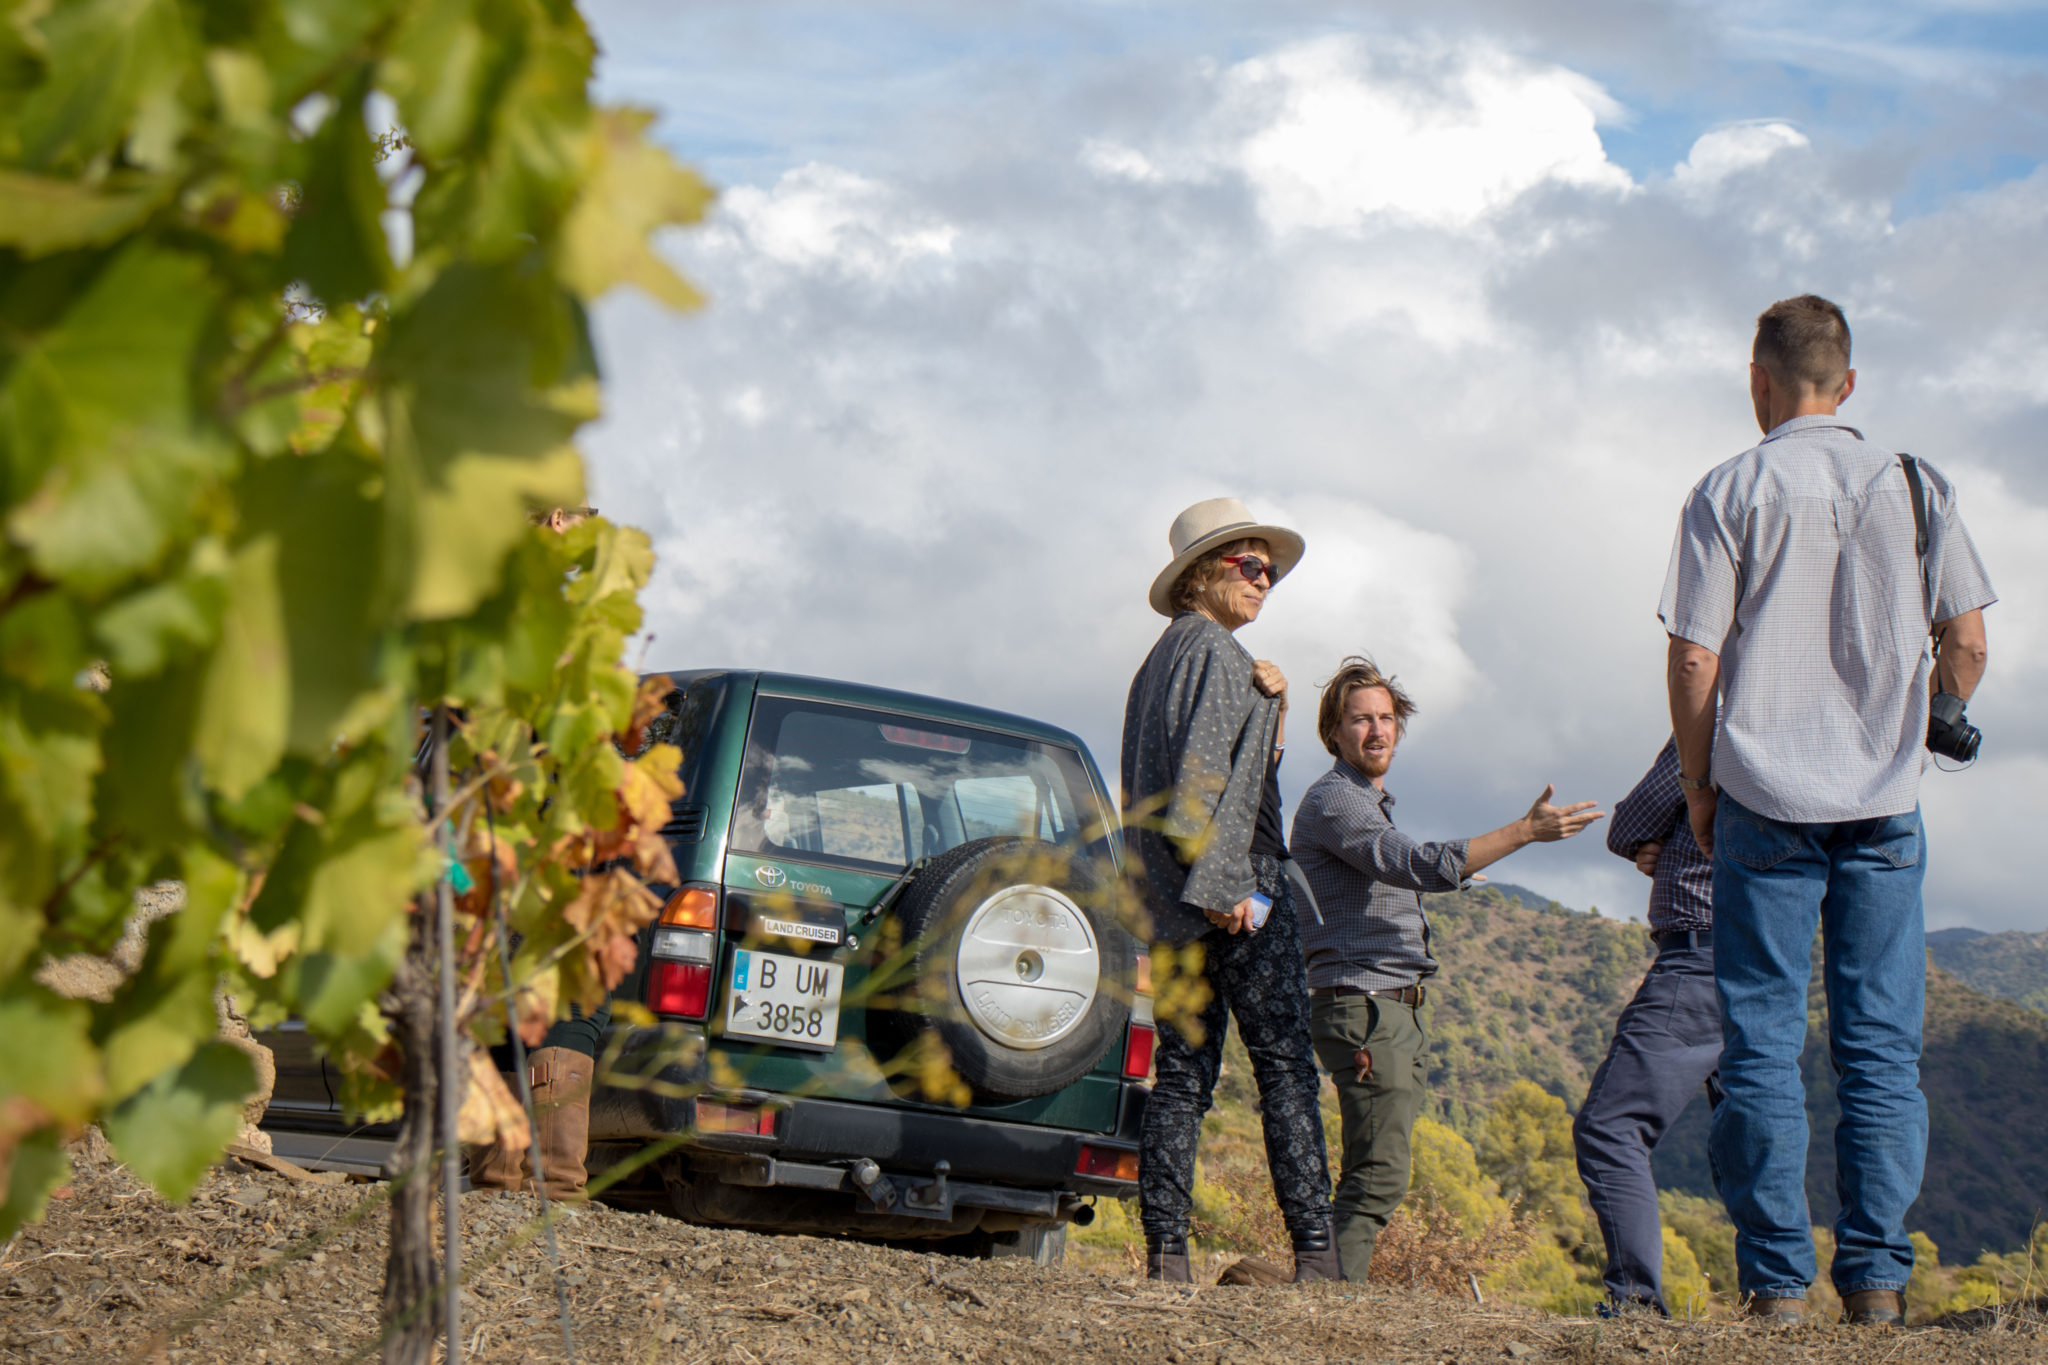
column 1533, row 993
column 2010, row 965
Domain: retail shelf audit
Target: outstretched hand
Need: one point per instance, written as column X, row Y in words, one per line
column 1548, row 823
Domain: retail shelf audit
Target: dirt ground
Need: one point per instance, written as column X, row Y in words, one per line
column 260, row 1267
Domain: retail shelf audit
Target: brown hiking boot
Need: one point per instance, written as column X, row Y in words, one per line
column 1875, row 1308
column 561, row 1112
column 494, row 1166
column 1776, row 1312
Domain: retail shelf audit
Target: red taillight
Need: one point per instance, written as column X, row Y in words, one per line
column 719, row 1116
column 679, row 975
column 679, row 988
column 1106, row 1163
column 1138, row 1052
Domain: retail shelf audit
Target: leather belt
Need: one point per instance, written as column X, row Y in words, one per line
column 1405, row 995
column 1672, row 939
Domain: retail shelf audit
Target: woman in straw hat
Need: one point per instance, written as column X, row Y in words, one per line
column 1201, row 751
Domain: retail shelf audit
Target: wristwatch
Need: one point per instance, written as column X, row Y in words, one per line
column 1696, row 784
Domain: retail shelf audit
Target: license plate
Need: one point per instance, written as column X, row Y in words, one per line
column 792, row 1001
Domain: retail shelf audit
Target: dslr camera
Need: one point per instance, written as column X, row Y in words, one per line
column 1948, row 734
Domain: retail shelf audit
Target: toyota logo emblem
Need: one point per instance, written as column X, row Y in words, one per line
column 770, row 875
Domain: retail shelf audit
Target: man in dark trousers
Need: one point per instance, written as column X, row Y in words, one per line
column 1666, row 1045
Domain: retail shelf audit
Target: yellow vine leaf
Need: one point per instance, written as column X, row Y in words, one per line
column 633, row 188
column 490, row 1112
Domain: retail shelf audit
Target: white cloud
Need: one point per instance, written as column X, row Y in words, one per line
column 1725, row 151
column 1118, row 162
column 820, row 216
column 1381, row 584
column 2009, row 373
column 934, row 426
column 1342, row 133
column 1433, row 289
column 1766, row 171
column 1975, row 810
column 749, row 405
column 1344, row 130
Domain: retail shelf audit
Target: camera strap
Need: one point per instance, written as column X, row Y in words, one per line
column 1912, row 468
column 1917, row 494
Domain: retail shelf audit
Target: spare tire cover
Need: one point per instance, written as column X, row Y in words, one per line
column 1016, row 963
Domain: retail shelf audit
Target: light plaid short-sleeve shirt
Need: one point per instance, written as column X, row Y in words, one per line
column 1795, row 563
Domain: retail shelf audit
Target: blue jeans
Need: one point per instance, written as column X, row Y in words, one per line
column 1859, row 882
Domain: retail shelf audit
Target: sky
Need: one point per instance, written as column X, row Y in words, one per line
column 1463, row 291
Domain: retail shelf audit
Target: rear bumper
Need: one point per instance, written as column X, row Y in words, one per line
column 821, row 1132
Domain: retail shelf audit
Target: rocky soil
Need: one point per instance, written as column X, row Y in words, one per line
column 268, row 1267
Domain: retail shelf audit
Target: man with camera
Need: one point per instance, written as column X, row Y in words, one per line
column 1807, row 578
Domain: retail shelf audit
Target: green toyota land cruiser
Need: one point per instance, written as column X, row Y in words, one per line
column 894, row 996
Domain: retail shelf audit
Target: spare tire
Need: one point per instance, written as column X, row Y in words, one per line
column 1016, row 963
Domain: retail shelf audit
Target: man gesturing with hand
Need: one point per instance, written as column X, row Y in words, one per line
column 1369, row 955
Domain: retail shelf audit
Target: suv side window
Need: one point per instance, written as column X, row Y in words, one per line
column 686, row 723
column 879, row 791
column 1015, row 803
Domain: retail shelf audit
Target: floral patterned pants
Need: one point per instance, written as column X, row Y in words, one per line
column 1258, row 979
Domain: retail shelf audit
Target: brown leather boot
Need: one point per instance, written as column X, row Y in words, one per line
column 561, row 1111
column 1875, row 1308
column 1777, row 1312
column 493, row 1166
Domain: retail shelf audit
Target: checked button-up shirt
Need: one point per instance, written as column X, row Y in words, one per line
column 1795, row 563
column 1682, row 887
column 1369, row 879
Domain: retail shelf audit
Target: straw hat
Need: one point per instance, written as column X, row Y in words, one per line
column 1220, row 521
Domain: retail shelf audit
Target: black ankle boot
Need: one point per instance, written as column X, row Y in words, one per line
column 1166, row 1258
column 1315, row 1254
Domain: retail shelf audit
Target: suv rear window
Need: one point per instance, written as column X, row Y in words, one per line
column 879, row 791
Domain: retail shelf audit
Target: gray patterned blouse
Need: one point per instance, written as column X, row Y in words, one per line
column 1198, row 735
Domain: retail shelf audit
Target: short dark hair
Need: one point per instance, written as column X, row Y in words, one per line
column 1803, row 341
column 1355, row 673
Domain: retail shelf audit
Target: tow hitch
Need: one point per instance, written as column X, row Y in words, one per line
column 906, row 1195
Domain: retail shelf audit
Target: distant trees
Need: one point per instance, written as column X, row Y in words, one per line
column 1525, row 1146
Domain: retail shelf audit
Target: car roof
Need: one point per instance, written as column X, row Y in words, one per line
column 884, row 699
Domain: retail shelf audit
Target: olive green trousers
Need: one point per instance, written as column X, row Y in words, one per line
column 1377, row 1113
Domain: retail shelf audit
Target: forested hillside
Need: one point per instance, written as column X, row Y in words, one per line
column 1524, row 994
column 1533, row 993
column 2011, row 966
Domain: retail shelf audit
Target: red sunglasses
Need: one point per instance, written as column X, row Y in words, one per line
column 1252, row 567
